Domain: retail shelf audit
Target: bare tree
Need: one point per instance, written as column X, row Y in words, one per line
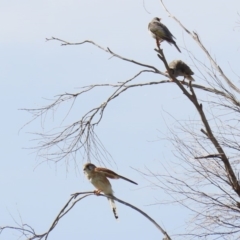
column 206, row 182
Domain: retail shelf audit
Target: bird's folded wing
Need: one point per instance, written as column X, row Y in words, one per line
column 128, row 180
column 110, row 174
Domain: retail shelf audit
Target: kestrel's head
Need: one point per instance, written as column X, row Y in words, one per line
column 88, row 167
column 156, row 19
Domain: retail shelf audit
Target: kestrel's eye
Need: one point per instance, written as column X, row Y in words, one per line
column 90, row 167
column 157, row 19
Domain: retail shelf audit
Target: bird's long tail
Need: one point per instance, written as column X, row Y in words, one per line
column 113, row 206
column 190, row 78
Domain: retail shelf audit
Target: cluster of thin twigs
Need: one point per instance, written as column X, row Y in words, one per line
column 80, row 134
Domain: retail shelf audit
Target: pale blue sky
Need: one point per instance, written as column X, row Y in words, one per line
column 33, row 69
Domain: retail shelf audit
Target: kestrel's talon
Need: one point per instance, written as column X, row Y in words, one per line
column 158, row 44
column 183, row 81
column 97, row 192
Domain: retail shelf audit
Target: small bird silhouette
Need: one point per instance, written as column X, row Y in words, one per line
column 160, row 32
column 180, row 68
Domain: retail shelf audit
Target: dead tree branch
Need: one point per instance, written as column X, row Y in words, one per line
column 29, row 232
column 195, row 36
column 193, row 98
column 68, row 140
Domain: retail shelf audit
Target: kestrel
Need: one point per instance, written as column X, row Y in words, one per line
column 160, row 32
column 98, row 177
column 179, row 68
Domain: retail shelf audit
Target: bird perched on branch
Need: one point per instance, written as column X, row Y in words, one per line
column 98, row 177
column 180, row 68
column 160, row 32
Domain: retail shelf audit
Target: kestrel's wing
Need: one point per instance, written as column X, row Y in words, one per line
column 127, row 179
column 161, row 31
column 110, row 174
column 185, row 69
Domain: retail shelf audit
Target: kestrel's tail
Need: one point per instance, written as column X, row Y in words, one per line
column 171, row 41
column 113, row 206
column 190, row 78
